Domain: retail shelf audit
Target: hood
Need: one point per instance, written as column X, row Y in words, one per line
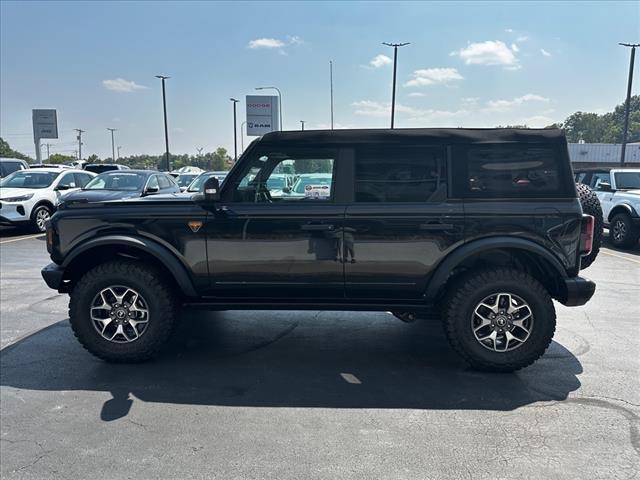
column 91, row 196
column 633, row 192
column 6, row 192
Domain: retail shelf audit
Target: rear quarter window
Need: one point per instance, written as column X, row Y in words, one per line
column 511, row 171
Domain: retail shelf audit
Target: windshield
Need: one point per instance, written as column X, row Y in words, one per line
column 198, row 183
column 304, row 181
column 127, row 182
column 274, row 183
column 628, row 180
column 29, row 179
column 185, row 179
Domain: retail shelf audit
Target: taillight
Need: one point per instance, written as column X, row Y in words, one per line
column 49, row 237
column 586, row 235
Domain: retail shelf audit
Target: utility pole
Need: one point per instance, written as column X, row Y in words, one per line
column 628, row 102
column 113, row 148
column 119, row 152
column 395, row 65
column 166, row 130
column 302, row 123
column 331, row 88
column 235, row 132
column 80, row 132
column 47, row 145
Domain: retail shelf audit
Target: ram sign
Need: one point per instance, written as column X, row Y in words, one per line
column 262, row 115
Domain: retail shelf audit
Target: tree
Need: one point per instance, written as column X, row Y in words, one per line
column 8, row 152
column 59, row 158
column 93, row 158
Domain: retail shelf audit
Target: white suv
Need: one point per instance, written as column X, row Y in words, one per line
column 31, row 196
column 618, row 190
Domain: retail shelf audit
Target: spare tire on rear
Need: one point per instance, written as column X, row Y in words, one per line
column 591, row 206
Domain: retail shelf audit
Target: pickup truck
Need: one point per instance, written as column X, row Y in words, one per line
column 618, row 190
column 482, row 226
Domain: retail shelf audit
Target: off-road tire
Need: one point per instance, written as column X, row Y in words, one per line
column 470, row 290
column 34, row 217
column 148, row 281
column 591, row 206
column 630, row 237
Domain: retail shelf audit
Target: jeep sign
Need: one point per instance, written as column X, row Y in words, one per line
column 262, row 114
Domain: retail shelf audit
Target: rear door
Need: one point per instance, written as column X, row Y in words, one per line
column 400, row 223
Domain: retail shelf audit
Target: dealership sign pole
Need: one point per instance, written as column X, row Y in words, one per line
column 45, row 125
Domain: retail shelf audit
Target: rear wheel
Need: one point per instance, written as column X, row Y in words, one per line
column 39, row 217
column 499, row 319
column 122, row 311
column 591, row 206
column 622, row 232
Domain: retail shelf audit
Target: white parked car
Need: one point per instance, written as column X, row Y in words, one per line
column 29, row 197
column 619, row 193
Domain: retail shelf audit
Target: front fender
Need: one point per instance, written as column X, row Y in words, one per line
column 168, row 258
column 468, row 250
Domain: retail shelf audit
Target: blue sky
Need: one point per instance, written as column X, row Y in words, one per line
column 469, row 64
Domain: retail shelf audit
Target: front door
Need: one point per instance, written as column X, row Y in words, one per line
column 400, row 223
column 270, row 238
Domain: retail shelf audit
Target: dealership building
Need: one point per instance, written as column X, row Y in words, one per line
column 603, row 154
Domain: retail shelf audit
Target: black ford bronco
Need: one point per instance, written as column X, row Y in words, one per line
column 483, row 226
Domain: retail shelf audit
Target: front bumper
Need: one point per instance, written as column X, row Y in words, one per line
column 11, row 213
column 576, row 291
column 53, row 277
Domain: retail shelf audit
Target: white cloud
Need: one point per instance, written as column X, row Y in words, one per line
column 537, row 121
column 544, row 52
column 380, row 61
column 522, row 38
column 506, row 105
column 275, row 43
column 432, row 76
column 515, row 48
column 122, row 85
column 491, row 52
column 266, row 43
column 416, row 94
column 508, row 30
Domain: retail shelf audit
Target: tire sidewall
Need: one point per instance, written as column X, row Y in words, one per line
column 628, row 235
column 85, row 292
column 34, row 216
column 541, row 333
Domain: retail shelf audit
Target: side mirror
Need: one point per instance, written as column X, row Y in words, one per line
column 151, row 190
column 63, row 187
column 211, row 190
column 605, row 186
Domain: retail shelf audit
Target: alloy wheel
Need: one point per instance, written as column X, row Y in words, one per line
column 502, row 322
column 119, row 314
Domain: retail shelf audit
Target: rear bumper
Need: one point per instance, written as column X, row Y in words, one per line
column 576, row 291
column 52, row 275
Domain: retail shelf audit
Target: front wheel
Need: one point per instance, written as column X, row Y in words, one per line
column 499, row 319
column 39, row 217
column 122, row 311
column 622, row 232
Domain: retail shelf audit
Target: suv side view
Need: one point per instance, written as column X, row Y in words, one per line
column 481, row 225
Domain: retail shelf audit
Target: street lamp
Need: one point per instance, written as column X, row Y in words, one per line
column 302, row 123
column 166, row 130
column 113, row 148
column 235, row 133
column 242, row 137
column 628, row 101
column 395, row 64
column 279, row 100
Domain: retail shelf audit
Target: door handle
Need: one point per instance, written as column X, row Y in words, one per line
column 317, row 227
column 436, row 226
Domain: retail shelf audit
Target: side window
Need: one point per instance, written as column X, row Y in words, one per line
column 508, row 171
column 302, row 175
column 153, row 182
column 68, row 179
column 599, row 178
column 400, row 174
column 163, row 181
column 82, row 179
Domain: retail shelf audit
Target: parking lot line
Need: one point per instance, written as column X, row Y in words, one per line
column 607, row 252
column 22, row 238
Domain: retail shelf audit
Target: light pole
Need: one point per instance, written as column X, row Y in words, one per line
column 166, row 130
column 302, row 123
column 119, row 147
column 628, row 102
column 242, row 137
column 279, row 100
column 395, row 64
column 235, row 133
column 113, row 148
column 331, row 88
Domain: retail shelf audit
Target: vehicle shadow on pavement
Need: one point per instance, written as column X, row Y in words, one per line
column 289, row 359
column 606, row 242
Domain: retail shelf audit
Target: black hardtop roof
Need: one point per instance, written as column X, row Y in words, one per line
column 418, row 135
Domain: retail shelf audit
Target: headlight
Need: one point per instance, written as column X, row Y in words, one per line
column 21, row 198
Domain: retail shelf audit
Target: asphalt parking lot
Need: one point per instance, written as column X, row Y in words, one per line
column 291, row 395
